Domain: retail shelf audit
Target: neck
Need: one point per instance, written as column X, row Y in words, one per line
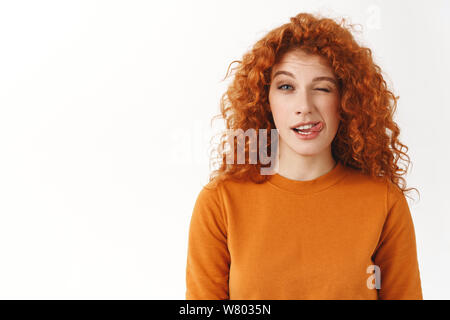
column 300, row 167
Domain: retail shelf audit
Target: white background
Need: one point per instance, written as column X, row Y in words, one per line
column 105, row 110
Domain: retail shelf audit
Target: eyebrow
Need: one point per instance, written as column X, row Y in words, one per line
column 315, row 79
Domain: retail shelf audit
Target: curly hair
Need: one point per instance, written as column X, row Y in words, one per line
column 367, row 138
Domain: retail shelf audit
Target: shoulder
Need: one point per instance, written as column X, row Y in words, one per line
column 214, row 191
column 365, row 183
column 221, row 186
column 374, row 187
column 395, row 197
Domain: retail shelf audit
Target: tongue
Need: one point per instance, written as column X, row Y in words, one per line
column 315, row 128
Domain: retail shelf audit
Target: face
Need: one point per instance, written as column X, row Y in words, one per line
column 304, row 88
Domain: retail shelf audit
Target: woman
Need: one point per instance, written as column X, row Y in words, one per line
column 331, row 221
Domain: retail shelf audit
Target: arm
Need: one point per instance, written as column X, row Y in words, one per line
column 396, row 253
column 208, row 259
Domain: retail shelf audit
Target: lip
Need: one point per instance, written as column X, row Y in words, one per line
column 304, row 123
column 312, row 135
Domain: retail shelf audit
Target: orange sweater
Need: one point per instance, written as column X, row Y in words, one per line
column 316, row 239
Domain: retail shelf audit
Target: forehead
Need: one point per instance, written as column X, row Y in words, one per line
column 300, row 60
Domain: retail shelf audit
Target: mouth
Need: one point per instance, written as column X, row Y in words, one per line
column 316, row 128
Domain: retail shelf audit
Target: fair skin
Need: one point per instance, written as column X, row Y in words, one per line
column 300, row 98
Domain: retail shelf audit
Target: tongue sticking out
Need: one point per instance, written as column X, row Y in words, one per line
column 317, row 127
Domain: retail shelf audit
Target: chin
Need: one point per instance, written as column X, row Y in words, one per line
column 306, row 151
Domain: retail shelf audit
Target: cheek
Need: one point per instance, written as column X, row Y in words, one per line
column 280, row 116
column 333, row 120
column 330, row 112
column 279, row 112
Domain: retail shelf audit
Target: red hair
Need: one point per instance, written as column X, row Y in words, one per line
column 367, row 138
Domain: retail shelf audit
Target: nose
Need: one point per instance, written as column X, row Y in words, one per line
column 304, row 103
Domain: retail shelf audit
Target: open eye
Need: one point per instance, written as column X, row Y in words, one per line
column 283, row 86
column 280, row 87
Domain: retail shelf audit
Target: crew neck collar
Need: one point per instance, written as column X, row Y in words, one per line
column 309, row 186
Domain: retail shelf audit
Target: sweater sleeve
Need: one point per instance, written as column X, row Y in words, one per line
column 396, row 253
column 208, row 258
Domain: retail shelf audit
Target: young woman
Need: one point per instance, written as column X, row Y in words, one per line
column 332, row 220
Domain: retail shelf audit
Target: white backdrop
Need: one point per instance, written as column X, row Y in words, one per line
column 105, row 110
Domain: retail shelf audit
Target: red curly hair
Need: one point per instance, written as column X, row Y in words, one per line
column 366, row 110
